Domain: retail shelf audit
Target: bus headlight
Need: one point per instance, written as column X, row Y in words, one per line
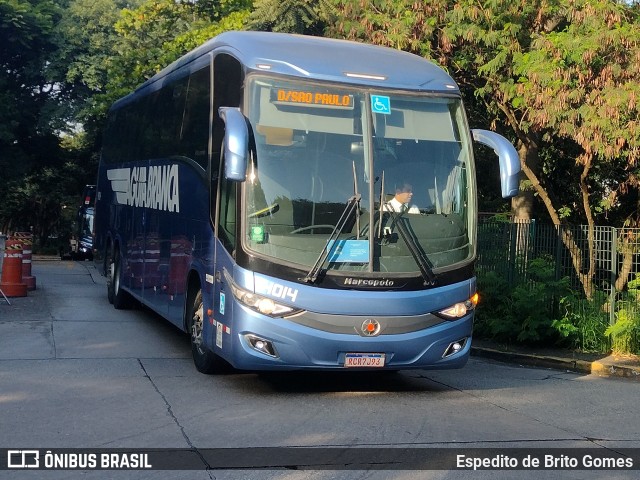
column 459, row 309
column 263, row 305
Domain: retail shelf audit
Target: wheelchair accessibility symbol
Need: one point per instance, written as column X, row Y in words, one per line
column 381, row 104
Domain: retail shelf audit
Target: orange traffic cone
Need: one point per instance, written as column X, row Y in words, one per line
column 26, row 238
column 12, row 284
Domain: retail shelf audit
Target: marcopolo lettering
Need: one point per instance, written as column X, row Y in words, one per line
column 155, row 187
column 368, row 282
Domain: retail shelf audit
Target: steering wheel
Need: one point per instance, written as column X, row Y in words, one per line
column 312, row 227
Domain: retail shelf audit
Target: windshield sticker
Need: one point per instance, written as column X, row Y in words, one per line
column 381, row 104
column 314, row 99
column 349, row 251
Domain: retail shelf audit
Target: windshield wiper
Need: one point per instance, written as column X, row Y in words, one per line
column 418, row 254
column 314, row 273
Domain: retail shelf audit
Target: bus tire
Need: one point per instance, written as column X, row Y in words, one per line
column 108, row 273
column 121, row 300
column 204, row 359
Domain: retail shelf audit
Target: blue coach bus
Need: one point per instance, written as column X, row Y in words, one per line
column 297, row 202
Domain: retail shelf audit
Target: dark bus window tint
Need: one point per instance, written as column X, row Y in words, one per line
column 194, row 130
column 227, row 215
column 109, row 141
column 171, row 121
column 121, row 134
column 163, row 118
column 130, row 130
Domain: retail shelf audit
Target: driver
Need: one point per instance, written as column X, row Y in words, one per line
column 401, row 202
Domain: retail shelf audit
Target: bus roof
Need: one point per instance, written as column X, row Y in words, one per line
column 322, row 59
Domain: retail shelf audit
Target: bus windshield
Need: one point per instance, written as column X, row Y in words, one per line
column 403, row 159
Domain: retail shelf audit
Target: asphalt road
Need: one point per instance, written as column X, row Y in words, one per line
column 76, row 373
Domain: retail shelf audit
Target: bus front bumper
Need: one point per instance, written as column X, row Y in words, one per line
column 278, row 344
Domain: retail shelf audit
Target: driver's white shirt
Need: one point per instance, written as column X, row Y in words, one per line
column 394, row 205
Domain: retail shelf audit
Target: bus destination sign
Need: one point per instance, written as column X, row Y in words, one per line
column 315, row 99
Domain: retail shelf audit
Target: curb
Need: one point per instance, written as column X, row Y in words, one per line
column 614, row 366
column 611, row 366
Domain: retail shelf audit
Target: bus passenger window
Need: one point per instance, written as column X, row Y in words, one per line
column 227, row 214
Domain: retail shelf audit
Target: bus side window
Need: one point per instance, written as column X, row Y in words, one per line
column 194, row 130
column 227, row 214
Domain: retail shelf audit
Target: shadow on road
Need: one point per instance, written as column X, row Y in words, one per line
column 352, row 382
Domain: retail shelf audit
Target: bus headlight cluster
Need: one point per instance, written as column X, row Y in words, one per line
column 263, row 305
column 460, row 309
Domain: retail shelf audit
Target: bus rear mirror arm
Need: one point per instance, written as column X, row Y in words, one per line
column 236, row 143
column 508, row 158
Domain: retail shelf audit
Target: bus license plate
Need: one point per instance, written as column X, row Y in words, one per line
column 364, row 360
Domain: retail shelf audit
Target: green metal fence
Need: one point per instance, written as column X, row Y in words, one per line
column 602, row 265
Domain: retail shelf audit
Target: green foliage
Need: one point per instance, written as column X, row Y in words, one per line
column 63, row 64
column 527, row 312
column 307, row 17
column 402, row 24
column 150, row 37
column 625, row 332
column 564, row 211
column 583, row 80
column 86, row 37
column 582, row 323
column 36, row 202
column 26, row 46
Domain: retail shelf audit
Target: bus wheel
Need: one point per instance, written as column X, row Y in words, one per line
column 121, row 300
column 204, row 359
column 109, row 270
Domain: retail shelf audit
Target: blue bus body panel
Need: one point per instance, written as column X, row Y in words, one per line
column 167, row 235
column 303, row 347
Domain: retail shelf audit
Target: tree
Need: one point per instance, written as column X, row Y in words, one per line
column 584, row 83
column 27, row 94
column 108, row 47
column 150, row 37
column 405, row 25
column 86, row 36
column 24, row 90
column 308, row 17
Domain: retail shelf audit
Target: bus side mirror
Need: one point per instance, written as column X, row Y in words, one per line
column 508, row 158
column 236, row 143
